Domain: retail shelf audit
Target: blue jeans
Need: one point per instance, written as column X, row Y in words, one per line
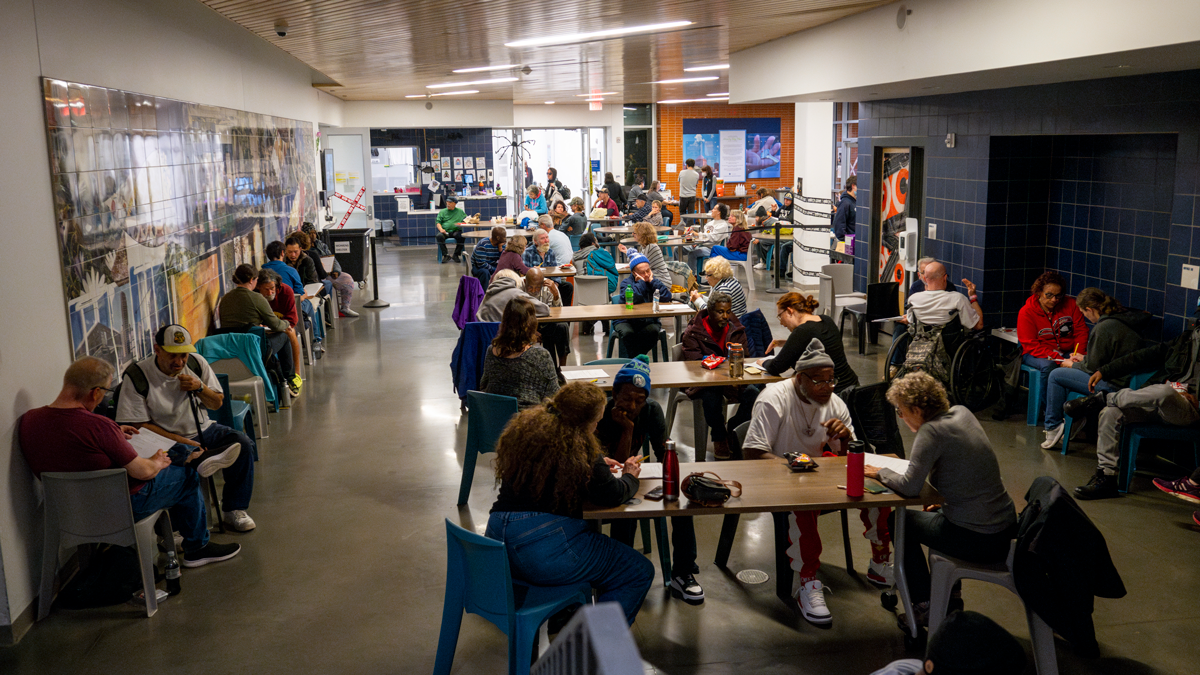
column 1044, row 368
column 310, row 312
column 722, row 252
column 1061, row 382
column 239, row 478
column 178, row 489
column 549, row 550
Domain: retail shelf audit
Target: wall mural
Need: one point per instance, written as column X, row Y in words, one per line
column 157, row 201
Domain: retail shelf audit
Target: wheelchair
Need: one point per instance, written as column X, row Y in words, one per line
column 959, row 358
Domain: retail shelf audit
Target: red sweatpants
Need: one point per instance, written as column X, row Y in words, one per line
column 804, row 540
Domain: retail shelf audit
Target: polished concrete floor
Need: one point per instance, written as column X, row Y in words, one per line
column 345, row 572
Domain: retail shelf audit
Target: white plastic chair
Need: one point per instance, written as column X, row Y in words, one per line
column 843, row 281
column 747, row 265
column 93, row 507
column 945, row 571
column 242, row 382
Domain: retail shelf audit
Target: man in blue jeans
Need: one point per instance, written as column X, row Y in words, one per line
column 67, row 436
column 170, row 394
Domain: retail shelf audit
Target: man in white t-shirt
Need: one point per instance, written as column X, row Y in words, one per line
column 804, row 415
column 935, row 305
column 687, row 187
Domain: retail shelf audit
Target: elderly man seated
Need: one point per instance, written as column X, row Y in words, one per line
column 938, row 306
column 67, row 436
column 556, row 336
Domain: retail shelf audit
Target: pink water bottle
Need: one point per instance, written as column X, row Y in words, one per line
column 670, row 462
column 854, row 469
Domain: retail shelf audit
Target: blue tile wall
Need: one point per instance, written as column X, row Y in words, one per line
column 1099, row 179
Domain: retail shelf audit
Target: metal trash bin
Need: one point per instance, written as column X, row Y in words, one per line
column 349, row 246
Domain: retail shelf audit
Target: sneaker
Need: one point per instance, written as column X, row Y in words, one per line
column 211, row 553
column 1084, row 407
column 457, row 260
column 760, row 266
column 296, row 384
column 349, row 312
column 812, row 604
column 1053, row 437
column 213, row 460
column 686, row 588
column 1196, row 517
column 1182, row 488
column 881, row 574
column 1100, row 486
column 238, row 520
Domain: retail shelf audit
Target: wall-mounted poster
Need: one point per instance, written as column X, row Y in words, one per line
column 468, row 162
column 445, row 175
column 489, row 176
column 893, row 206
column 739, row 149
column 435, row 154
column 458, row 176
column 458, row 162
column 445, row 162
column 480, row 163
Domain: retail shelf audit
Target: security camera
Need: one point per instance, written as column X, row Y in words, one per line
column 281, row 28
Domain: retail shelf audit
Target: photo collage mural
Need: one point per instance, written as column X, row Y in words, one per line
column 157, row 201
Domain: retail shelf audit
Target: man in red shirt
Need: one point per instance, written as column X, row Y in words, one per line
column 67, row 436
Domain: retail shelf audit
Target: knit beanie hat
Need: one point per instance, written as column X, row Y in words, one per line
column 969, row 643
column 636, row 371
column 636, row 259
column 814, row 357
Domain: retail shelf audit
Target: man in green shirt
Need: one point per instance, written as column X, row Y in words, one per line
column 447, row 225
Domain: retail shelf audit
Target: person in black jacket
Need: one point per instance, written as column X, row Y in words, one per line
column 843, row 221
column 1156, row 402
column 708, row 334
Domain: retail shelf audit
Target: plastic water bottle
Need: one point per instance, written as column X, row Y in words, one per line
column 854, row 469
column 629, row 297
column 670, row 462
column 654, row 303
column 173, row 587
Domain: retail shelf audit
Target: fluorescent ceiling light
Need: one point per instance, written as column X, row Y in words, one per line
column 497, row 80
column 628, row 108
column 603, row 93
column 698, row 69
column 684, row 80
column 694, row 100
column 445, row 93
column 481, row 69
column 593, row 100
column 725, row 94
column 595, row 35
column 549, row 102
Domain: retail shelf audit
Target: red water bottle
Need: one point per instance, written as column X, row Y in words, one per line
column 854, row 469
column 670, row 462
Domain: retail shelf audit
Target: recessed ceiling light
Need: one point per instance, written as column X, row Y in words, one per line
column 482, row 69
column 603, row 93
column 694, row 100
column 683, row 80
column 445, row 93
column 595, row 35
column 725, row 94
column 699, row 69
column 447, row 85
column 549, row 102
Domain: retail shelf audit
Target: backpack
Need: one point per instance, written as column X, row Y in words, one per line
column 565, row 192
column 142, row 386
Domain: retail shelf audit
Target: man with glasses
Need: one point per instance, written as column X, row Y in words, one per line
column 804, row 415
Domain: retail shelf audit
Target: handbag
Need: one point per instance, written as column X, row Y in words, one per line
column 709, row 492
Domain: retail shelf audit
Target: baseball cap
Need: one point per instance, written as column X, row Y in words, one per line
column 174, row 339
column 451, row 198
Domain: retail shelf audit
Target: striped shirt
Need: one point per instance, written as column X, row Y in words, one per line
column 485, row 257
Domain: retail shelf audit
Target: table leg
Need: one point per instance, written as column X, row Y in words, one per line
column 678, row 328
column 725, row 544
column 846, row 541
column 901, row 579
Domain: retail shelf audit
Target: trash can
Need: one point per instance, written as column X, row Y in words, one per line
column 349, row 246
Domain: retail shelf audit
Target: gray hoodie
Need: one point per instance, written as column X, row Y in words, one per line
column 499, row 293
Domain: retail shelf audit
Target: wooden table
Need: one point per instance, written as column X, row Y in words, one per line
column 626, row 229
column 590, row 313
column 696, row 216
column 487, row 234
column 768, row 486
column 559, row 271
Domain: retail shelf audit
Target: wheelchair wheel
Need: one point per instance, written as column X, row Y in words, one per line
column 900, row 345
column 973, row 380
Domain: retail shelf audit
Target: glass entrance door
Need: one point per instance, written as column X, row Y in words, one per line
column 351, row 173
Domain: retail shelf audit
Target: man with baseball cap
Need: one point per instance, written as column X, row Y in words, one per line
column 603, row 201
column 170, row 394
column 447, row 225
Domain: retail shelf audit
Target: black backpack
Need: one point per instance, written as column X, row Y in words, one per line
column 140, row 384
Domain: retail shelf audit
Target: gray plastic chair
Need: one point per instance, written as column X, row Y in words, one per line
column 86, row 507
column 699, row 428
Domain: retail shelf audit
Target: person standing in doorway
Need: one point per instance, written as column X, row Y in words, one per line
column 843, row 220
column 688, row 178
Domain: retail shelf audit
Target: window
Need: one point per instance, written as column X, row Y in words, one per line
column 638, row 114
column 394, row 167
column 845, row 144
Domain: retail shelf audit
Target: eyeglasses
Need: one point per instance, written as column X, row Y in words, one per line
column 109, row 390
column 831, row 383
column 1052, row 296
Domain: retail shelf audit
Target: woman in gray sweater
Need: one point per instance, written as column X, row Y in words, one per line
column 977, row 520
column 515, row 365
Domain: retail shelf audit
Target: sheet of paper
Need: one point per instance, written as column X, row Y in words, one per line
column 650, row 471
column 592, row 374
column 896, row 464
column 146, row 442
column 313, row 289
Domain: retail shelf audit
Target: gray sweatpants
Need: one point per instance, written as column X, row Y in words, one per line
column 1157, row 403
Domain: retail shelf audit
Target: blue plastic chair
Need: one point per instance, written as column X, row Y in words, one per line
column 1135, row 382
column 456, row 241
column 478, row 580
column 487, row 415
column 1035, row 409
column 1131, row 440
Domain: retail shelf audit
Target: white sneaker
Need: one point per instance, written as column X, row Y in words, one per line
column 349, row 312
column 213, row 461
column 238, row 520
column 881, row 574
column 1053, row 437
column 760, row 266
column 812, row 604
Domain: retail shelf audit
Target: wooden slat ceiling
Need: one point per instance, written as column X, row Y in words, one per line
column 385, row 49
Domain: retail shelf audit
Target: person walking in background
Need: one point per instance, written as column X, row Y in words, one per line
column 687, row 187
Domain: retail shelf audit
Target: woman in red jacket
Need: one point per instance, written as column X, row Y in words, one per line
column 1050, row 327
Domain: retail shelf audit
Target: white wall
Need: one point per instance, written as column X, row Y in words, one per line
column 813, row 162
column 571, row 116
column 943, row 38
column 412, row 114
column 175, row 48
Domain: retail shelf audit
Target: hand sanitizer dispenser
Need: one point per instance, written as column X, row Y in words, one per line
column 908, row 244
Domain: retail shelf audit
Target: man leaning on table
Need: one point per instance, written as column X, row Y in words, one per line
column 804, row 415
column 638, row 336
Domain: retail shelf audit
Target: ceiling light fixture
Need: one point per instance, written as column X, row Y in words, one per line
column 725, row 94
column 444, row 93
column 595, row 35
column 684, row 80
column 447, row 85
column 694, row 100
column 628, row 108
column 549, row 102
column 482, row 69
column 700, row 69
column 593, row 100
column 602, row 93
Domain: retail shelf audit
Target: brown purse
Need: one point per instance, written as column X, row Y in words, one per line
column 709, row 492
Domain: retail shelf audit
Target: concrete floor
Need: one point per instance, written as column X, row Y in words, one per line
column 345, row 572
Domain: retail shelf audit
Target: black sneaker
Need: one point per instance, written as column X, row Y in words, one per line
column 686, row 588
column 1099, row 487
column 213, row 460
column 211, row 553
column 1086, row 406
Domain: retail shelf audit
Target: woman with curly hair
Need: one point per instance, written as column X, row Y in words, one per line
column 798, row 314
column 977, row 520
column 1050, row 327
column 515, row 365
column 548, row 463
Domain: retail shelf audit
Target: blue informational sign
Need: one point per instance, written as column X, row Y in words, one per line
column 596, row 165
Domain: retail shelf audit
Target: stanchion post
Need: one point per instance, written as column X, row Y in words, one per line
column 375, row 302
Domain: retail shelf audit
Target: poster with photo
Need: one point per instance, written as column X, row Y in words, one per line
column 445, row 162
column 458, row 162
column 758, row 151
column 480, row 163
column 468, row 163
column 445, row 175
column 458, row 176
column 435, row 154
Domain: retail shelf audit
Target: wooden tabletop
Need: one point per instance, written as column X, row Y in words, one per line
column 627, row 229
column 609, row 219
column 767, row 485
column 676, row 374
column 670, row 241
column 486, row 224
column 487, row 234
column 609, row 312
column 559, row 271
